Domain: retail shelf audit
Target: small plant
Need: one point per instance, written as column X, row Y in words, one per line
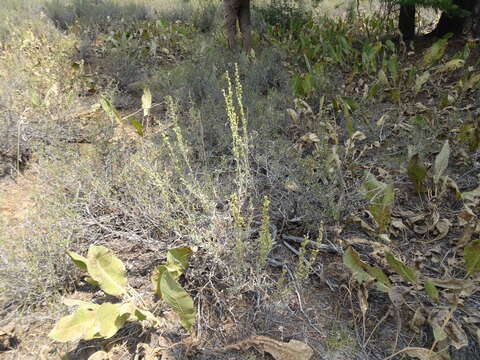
column 93, row 320
column 435, row 177
column 265, row 242
column 381, row 197
column 446, row 330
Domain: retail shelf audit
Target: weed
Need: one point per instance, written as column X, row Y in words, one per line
column 265, row 242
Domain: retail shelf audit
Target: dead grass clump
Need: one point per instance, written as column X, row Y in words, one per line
column 40, row 222
column 39, row 85
column 94, row 15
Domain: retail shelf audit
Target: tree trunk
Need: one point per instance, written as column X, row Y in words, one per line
column 406, row 21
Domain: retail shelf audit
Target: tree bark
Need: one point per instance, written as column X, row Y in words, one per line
column 406, row 21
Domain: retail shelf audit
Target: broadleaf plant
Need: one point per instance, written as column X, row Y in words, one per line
column 92, row 320
column 164, row 279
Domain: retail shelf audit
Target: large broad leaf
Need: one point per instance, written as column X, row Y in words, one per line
column 441, row 162
column 435, row 52
column 179, row 256
column 353, row 262
column 78, row 260
column 80, row 303
column 109, row 319
column 156, row 276
column 80, row 324
column 401, row 269
column 472, row 257
column 178, row 299
column 107, row 270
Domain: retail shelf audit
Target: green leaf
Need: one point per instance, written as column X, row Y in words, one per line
column 109, row 319
column 179, row 256
column 431, row 290
column 472, row 82
column 178, row 299
column 435, row 53
column 138, row 127
column 110, row 110
column 401, row 269
column 78, row 260
column 451, row 65
column 472, row 257
column 364, row 272
column 92, row 282
column 417, row 172
column 146, row 101
column 156, row 276
column 107, row 269
column 421, row 80
column 352, row 260
column 142, row 315
column 380, row 276
column 441, row 162
column 395, row 94
column 74, row 327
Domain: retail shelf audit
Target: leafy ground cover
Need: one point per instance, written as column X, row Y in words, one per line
column 327, row 183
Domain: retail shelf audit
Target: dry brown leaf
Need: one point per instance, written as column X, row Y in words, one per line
column 378, row 248
column 473, row 197
column 465, row 216
column 294, row 349
column 396, row 295
column 422, row 353
column 456, row 336
column 99, row 355
column 466, row 235
column 419, row 319
column 434, row 219
column 147, row 352
column 443, row 226
column 420, row 229
column 362, row 294
column 454, row 284
column 416, row 218
column 453, row 298
column 357, row 220
column 8, row 339
column 475, row 330
column 404, row 213
column 396, row 226
column 310, row 138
